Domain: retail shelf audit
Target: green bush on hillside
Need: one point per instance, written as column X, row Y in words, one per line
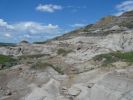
column 127, row 56
column 32, row 56
column 42, row 65
column 63, row 52
column 7, row 61
column 113, row 57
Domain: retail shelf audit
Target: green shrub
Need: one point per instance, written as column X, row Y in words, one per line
column 106, row 58
column 4, row 59
column 113, row 57
column 32, row 56
column 126, row 56
column 63, row 52
column 7, row 61
column 42, row 65
column 58, row 69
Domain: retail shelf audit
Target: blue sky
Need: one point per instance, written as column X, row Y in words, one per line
column 38, row 20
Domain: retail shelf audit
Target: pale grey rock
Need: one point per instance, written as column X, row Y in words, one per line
column 90, row 85
column 84, row 80
column 113, row 87
column 8, row 92
column 17, row 84
column 116, row 27
column 49, row 91
column 74, row 91
column 31, row 49
column 79, row 92
column 41, row 78
column 0, row 88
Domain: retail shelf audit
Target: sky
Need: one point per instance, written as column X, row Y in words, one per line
column 39, row 20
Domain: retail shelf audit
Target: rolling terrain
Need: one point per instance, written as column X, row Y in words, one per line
column 94, row 62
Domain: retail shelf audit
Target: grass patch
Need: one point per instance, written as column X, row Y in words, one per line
column 127, row 56
column 32, row 56
column 43, row 65
column 30, row 59
column 63, row 52
column 114, row 57
column 7, row 61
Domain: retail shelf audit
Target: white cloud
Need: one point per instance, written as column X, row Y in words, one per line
column 27, row 36
column 77, row 25
column 29, row 27
column 7, row 35
column 5, row 24
column 29, row 30
column 36, row 28
column 124, row 6
column 48, row 8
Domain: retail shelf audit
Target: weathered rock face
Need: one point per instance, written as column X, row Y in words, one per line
column 83, row 79
column 27, row 84
column 113, row 87
column 29, row 49
column 109, row 34
column 49, row 91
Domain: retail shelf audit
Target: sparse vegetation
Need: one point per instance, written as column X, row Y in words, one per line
column 30, row 59
column 43, row 65
column 63, row 52
column 7, row 61
column 127, row 56
column 32, row 56
column 127, row 24
column 113, row 57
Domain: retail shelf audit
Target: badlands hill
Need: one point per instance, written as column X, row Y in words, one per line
column 91, row 63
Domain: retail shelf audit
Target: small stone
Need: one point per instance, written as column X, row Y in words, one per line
column 0, row 88
column 74, row 91
column 20, row 69
column 8, row 93
column 90, row 85
column 1, row 66
column 33, row 72
column 64, row 88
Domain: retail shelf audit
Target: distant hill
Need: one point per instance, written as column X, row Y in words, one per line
column 7, row 44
